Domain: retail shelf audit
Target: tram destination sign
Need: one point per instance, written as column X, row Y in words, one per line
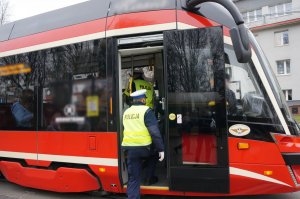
column 15, row 69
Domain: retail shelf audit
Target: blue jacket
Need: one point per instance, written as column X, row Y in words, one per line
column 153, row 128
column 22, row 116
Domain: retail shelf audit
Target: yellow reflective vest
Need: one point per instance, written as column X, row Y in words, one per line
column 135, row 131
column 142, row 84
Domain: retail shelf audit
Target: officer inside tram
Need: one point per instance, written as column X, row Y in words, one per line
column 141, row 141
column 138, row 82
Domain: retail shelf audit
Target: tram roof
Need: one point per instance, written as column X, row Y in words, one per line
column 79, row 13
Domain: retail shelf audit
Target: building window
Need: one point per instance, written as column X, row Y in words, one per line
column 288, row 94
column 282, row 38
column 295, row 110
column 283, row 67
column 252, row 16
column 280, row 9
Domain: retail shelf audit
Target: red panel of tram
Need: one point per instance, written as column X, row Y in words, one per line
column 18, row 141
column 199, row 149
column 192, row 19
column 257, row 153
column 61, row 180
column 141, row 19
column 82, row 29
column 78, row 144
column 288, row 144
column 244, row 176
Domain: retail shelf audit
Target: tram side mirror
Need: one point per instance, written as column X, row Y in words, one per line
column 241, row 45
column 233, row 20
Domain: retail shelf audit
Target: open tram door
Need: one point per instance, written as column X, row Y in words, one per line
column 196, row 110
column 141, row 58
column 188, row 76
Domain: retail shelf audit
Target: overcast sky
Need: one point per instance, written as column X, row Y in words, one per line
column 20, row 9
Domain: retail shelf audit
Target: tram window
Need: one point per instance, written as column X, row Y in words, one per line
column 17, row 93
column 249, row 99
column 74, row 89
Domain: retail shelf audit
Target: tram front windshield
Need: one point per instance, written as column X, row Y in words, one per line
column 280, row 99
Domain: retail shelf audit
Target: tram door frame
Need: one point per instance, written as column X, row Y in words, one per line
column 211, row 179
column 115, row 46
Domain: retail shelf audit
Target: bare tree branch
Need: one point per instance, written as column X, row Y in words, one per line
column 4, row 11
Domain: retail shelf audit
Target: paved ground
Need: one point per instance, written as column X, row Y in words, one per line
column 10, row 191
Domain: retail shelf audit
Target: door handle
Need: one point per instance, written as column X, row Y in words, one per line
column 163, row 103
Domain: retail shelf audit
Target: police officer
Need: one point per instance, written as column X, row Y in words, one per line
column 138, row 83
column 142, row 140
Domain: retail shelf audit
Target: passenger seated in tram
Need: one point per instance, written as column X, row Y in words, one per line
column 55, row 126
column 22, row 110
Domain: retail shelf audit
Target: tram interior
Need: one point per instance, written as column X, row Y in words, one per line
column 150, row 61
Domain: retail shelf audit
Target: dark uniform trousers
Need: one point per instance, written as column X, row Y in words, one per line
column 135, row 158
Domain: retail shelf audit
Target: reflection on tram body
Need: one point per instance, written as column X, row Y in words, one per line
column 59, row 89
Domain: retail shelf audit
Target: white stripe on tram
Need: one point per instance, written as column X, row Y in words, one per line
column 113, row 162
column 270, row 93
column 18, row 155
column 253, row 175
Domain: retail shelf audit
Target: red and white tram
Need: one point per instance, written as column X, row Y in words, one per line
column 68, row 69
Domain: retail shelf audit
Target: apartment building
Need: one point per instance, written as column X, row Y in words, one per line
column 276, row 25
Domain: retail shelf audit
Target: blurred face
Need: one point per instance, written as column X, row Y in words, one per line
column 137, row 75
column 143, row 100
column 27, row 96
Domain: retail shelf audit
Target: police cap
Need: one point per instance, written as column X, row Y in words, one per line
column 139, row 94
